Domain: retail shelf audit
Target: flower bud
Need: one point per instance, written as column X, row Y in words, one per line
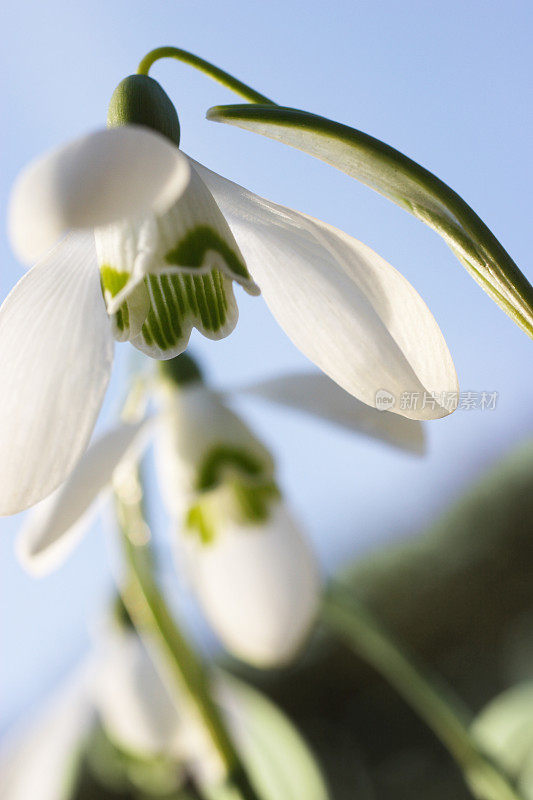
column 139, row 100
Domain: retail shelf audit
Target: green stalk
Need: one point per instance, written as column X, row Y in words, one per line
column 207, row 68
column 152, row 618
column 443, row 714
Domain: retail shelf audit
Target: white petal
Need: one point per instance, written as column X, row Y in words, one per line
column 95, row 180
column 56, row 352
column 315, row 393
column 341, row 304
column 192, row 238
column 504, row 729
column 41, row 763
column 143, row 717
column 137, row 711
column 55, row 526
column 193, row 423
column 259, row 588
column 163, row 275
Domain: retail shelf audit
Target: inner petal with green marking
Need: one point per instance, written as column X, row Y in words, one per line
column 233, row 485
column 128, row 320
column 237, row 502
column 179, row 302
column 163, row 276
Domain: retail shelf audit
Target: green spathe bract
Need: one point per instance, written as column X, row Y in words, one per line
column 139, row 100
column 406, row 183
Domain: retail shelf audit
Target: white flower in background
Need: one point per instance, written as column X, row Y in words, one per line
column 251, row 567
column 154, row 241
column 120, row 689
column 142, row 716
column 249, row 564
column 504, row 729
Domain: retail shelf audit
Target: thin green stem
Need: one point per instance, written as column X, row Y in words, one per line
column 442, row 713
column 207, row 68
column 152, row 618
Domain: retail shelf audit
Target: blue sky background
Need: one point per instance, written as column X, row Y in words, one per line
column 449, row 85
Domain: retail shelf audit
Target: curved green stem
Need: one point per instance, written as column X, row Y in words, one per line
column 442, row 713
column 207, row 68
column 152, row 618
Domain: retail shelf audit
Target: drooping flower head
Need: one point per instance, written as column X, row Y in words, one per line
column 163, row 274
column 154, row 243
column 114, row 728
column 247, row 560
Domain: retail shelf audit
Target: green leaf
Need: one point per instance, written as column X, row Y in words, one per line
column 406, row 183
column 279, row 761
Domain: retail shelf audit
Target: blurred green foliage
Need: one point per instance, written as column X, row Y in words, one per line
column 451, row 596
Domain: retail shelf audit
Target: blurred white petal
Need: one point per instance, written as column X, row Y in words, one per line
column 258, row 587
column 40, row 763
column 193, row 422
column 504, row 729
column 142, row 716
column 137, row 711
column 56, row 352
column 92, row 181
column 55, row 525
column 315, row 393
column 341, row 304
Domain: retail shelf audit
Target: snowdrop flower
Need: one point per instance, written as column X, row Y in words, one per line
column 141, row 715
column 154, row 242
column 119, row 688
column 248, row 563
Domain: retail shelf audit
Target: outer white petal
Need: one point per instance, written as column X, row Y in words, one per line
column 194, row 420
column 504, row 729
column 56, row 524
column 341, row 304
column 95, row 180
column 135, row 707
column 56, row 352
column 259, row 588
column 41, row 763
column 317, row 394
